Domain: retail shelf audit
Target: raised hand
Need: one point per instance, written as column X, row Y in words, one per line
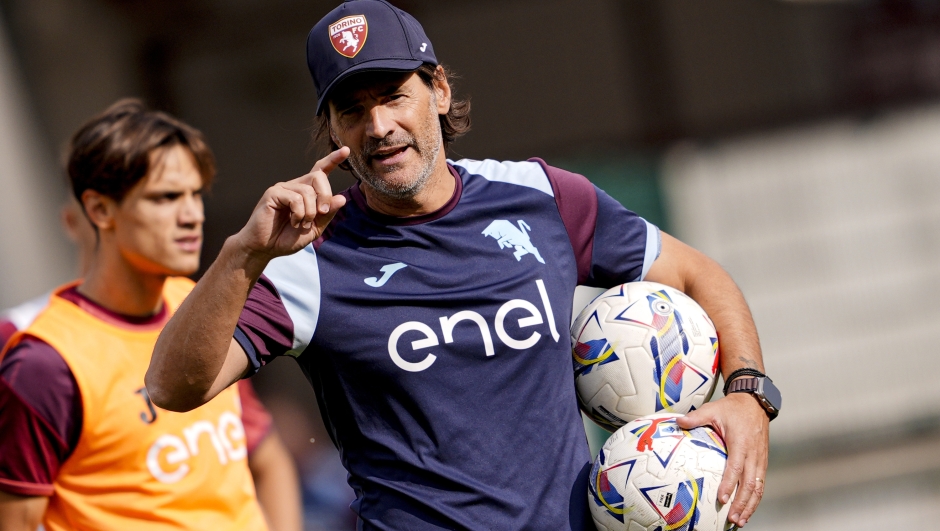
column 292, row 214
column 745, row 428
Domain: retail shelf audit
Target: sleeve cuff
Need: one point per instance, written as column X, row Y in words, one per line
column 654, row 245
column 254, row 361
column 22, row 488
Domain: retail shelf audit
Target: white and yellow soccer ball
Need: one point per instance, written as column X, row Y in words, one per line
column 642, row 348
column 651, row 475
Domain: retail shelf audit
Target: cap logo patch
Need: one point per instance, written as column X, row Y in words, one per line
column 349, row 34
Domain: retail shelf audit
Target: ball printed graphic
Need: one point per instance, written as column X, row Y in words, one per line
column 642, row 348
column 652, row 475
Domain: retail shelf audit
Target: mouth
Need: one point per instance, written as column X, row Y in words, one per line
column 389, row 156
column 189, row 243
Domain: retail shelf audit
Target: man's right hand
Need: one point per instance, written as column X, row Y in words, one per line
column 293, row 214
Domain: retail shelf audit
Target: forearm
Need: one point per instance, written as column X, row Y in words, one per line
column 712, row 288
column 724, row 303
column 186, row 369
column 21, row 513
column 277, row 484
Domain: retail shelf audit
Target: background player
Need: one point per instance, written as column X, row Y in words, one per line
column 391, row 305
column 32, row 454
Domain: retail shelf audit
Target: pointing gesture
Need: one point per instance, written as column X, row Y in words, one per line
column 292, row 214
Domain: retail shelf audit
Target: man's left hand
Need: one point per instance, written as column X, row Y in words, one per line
column 743, row 424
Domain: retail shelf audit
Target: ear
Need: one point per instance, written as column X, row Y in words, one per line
column 441, row 90
column 100, row 209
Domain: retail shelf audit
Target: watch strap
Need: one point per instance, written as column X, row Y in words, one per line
column 743, row 385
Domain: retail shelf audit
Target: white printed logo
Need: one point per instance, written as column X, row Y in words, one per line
column 168, row 457
column 349, row 34
column 530, row 316
column 424, row 46
column 507, row 235
column 389, row 270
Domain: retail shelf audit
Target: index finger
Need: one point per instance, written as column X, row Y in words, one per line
column 318, row 177
column 331, row 161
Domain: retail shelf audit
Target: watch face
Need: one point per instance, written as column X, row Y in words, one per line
column 771, row 393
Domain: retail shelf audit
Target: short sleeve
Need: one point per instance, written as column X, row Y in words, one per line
column 611, row 245
column 265, row 330
column 40, row 418
column 255, row 417
column 625, row 245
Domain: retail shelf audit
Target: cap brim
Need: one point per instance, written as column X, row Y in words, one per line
column 391, row 65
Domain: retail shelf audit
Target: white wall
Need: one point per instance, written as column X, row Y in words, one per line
column 34, row 254
column 833, row 233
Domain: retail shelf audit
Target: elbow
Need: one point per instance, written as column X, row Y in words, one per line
column 165, row 397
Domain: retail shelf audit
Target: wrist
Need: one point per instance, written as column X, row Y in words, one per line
column 239, row 256
column 761, row 388
column 738, row 373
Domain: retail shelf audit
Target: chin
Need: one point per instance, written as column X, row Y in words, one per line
column 183, row 268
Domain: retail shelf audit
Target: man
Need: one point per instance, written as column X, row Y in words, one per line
column 82, row 443
column 272, row 468
column 427, row 304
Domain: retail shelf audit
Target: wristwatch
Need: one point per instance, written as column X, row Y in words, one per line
column 763, row 389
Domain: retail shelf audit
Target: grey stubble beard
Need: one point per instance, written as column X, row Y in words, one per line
column 428, row 149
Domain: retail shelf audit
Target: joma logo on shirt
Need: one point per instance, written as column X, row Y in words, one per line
column 169, row 456
column 447, row 324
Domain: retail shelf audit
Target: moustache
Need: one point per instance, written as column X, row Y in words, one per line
column 373, row 145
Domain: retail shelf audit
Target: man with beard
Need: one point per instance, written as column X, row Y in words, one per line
column 427, row 304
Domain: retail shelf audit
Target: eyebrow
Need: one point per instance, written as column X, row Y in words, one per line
column 346, row 101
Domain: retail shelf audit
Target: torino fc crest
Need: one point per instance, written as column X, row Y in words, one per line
column 349, row 34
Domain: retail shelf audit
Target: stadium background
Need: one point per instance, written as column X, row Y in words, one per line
column 798, row 143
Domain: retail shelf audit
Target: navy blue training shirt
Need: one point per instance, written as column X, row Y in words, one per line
column 438, row 345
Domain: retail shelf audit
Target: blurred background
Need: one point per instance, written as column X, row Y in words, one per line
column 796, row 142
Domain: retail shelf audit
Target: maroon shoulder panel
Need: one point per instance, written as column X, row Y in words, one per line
column 7, row 329
column 265, row 327
column 40, row 417
column 577, row 203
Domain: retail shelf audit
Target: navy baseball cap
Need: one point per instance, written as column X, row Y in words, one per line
column 362, row 35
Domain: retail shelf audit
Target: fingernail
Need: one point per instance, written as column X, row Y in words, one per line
column 324, row 208
column 734, row 517
column 743, row 523
column 724, row 498
column 308, row 224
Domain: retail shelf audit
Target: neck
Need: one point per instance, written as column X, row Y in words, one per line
column 435, row 194
column 114, row 284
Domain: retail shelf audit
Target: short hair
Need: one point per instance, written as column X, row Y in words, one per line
column 454, row 124
column 110, row 153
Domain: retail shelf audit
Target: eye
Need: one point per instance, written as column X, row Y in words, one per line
column 350, row 111
column 662, row 307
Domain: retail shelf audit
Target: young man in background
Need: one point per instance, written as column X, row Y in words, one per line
column 83, row 446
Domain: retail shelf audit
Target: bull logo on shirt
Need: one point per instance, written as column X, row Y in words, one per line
column 508, row 235
column 349, row 34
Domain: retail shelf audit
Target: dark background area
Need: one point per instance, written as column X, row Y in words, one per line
column 601, row 87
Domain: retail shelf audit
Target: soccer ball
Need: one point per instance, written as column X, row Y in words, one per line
column 651, row 475
column 642, row 348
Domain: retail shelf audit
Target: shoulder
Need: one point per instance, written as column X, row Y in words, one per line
column 534, row 173
column 31, row 357
column 33, row 367
column 529, row 174
column 41, row 378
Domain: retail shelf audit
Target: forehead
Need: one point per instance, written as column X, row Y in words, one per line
column 174, row 164
column 366, row 84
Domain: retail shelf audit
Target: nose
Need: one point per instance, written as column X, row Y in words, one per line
column 192, row 211
column 381, row 123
